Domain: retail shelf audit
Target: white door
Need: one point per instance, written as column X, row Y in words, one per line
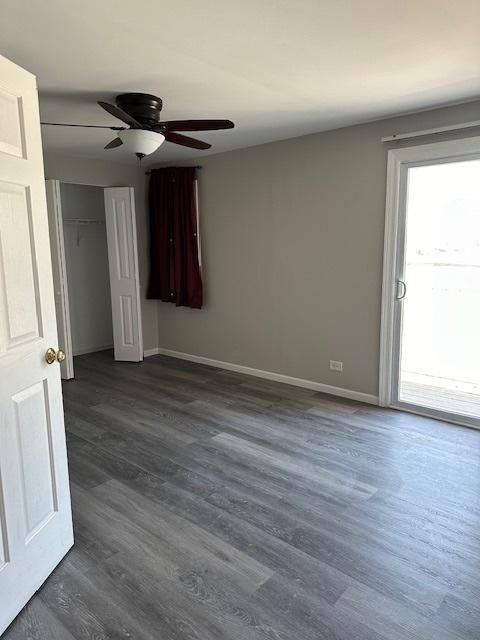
column 35, row 514
column 60, row 282
column 430, row 345
column 124, row 279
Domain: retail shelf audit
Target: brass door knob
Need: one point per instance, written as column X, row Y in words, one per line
column 52, row 356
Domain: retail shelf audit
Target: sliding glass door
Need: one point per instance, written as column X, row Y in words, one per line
column 434, row 282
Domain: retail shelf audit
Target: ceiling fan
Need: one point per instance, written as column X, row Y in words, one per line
column 146, row 131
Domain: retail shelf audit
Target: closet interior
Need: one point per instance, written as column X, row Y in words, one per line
column 86, row 257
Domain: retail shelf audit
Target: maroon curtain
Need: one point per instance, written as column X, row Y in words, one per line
column 174, row 269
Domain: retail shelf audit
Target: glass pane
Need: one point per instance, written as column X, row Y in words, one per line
column 440, row 355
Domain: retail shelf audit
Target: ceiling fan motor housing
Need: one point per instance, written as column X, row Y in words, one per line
column 144, row 107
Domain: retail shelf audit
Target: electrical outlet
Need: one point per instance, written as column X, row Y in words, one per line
column 335, row 365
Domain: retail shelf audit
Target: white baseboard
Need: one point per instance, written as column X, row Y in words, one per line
column 81, row 352
column 268, row 375
column 151, row 352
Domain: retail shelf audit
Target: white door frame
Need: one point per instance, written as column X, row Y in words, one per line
column 399, row 161
column 59, row 267
column 58, row 251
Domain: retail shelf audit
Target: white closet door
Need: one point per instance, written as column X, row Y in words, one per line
column 124, row 280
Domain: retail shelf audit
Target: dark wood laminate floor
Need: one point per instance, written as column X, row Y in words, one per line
column 212, row 506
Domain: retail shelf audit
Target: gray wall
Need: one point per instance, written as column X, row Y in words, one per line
column 292, row 241
column 87, row 268
column 112, row 174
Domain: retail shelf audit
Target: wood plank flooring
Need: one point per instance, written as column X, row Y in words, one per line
column 210, row 505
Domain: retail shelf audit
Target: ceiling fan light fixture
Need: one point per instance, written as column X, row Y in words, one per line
column 140, row 141
column 141, row 112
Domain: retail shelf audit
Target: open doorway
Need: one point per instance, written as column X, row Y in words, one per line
column 431, row 306
column 88, row 279
column 95, row 266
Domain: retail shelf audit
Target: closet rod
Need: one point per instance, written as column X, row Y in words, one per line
column 84, row 221
column 147, row 173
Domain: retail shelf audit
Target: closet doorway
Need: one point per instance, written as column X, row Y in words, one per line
column 95, row 267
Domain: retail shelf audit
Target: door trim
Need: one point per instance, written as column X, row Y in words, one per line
column 53, row 186
column 398, row 163
column 59, row 266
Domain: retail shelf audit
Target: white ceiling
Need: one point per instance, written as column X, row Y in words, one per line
column 277, row 68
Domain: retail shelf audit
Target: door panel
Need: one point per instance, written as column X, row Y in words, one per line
column 124, row 280
column 35, row 513
column 127, row 321
column 123, row 242
column 20, row 293
column 11, row 137
column 37, row 465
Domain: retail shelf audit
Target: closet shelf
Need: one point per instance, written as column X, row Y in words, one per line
column 83, row 221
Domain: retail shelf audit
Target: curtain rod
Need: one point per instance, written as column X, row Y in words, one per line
column 428, row 132
column 147, row 173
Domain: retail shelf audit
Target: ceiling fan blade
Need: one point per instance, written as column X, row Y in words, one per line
column 116, row 142
column 197, row 125
column 120, row 114
column 89, row 126
column 185, row 141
